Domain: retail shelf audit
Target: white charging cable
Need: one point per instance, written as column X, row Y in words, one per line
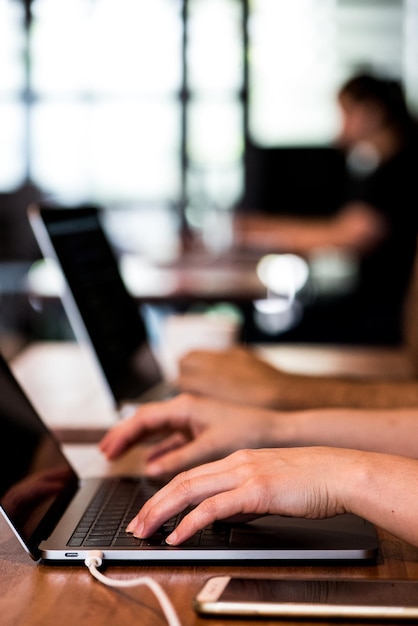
column 95, row 559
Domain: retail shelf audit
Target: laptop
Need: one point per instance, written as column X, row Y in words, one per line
column 103, row 315
column 59, row 518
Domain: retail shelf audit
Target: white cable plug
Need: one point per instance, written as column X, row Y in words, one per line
column 95, row 559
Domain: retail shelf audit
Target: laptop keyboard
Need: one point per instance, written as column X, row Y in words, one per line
column 116, row 503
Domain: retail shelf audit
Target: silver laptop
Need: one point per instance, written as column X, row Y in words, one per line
column 103, row 315
column 59, row 518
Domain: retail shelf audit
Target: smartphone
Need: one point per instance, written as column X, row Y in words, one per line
column 307, row 598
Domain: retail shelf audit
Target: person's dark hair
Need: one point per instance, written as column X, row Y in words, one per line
column 386, row 93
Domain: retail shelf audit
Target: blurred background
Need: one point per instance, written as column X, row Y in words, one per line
column 167, row 111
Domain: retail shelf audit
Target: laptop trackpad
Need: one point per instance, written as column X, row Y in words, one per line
column 343, row 531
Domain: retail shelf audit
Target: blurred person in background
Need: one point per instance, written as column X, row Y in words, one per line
column 375, row 225
column 380, row 227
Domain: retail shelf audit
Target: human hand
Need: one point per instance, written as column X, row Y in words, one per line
column 234, row 375
column 193, row 430
column 297, row 482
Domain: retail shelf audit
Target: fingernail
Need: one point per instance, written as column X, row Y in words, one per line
column 130, row 527
column 171, row 539
column 135, row 528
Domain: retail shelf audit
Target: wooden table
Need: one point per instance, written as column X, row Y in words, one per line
column 33, row 594
column 39, row 595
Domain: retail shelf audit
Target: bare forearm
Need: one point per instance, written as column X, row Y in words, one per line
column 284, row 234
column 356, row 227
column 384, row 489
column 298, row 392
column 393, row 431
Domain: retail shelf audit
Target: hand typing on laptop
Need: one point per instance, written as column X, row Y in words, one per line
column 312, row 482
column 365, row 470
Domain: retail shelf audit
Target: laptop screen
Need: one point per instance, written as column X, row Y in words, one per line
column 110, row 315
column 36, row 479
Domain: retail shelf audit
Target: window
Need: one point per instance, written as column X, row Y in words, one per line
column 13, row 126
column 106, row 114
column 301, row 51
column 139, row 101
column 214, row 115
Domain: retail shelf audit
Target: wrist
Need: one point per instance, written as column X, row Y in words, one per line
column 361, row 482
column 283, row 429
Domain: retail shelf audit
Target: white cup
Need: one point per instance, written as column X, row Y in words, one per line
column 182, row 333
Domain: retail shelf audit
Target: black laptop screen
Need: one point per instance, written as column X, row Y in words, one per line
column 109, row 313
column 35, row 476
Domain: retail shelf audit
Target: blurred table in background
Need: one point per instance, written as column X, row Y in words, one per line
column 192, row 277
column 230, row 278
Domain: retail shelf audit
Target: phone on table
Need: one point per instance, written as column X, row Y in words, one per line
column 336, row 598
